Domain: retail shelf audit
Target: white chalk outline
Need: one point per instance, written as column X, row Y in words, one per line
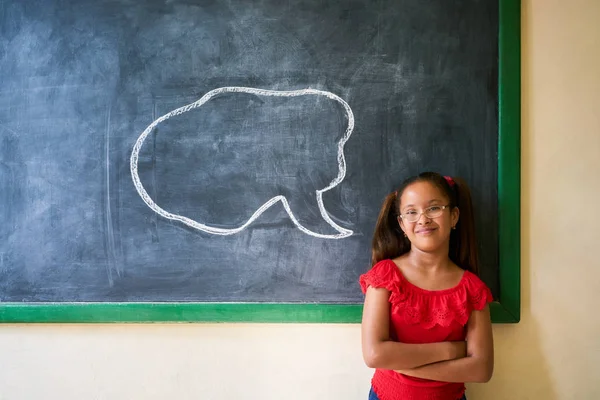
column 342, row 232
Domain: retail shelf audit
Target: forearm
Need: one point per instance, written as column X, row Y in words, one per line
column 467, row 369
column 396, row 355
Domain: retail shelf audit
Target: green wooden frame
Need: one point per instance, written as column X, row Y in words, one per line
column 506, row 310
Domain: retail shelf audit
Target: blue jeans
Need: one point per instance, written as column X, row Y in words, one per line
column 373, row 396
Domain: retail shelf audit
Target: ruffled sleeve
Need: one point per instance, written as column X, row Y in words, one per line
column 478, row 294
column 382, row 275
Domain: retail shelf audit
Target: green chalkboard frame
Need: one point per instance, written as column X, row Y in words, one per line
column 505, row 310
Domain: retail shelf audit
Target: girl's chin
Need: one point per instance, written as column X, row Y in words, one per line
column 429, row 245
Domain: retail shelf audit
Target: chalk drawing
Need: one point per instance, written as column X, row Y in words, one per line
column 342, row 232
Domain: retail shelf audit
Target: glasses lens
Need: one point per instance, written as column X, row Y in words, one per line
column 411, row 217
column 433, row 212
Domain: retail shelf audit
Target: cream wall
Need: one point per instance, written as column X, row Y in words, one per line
column 554, row 353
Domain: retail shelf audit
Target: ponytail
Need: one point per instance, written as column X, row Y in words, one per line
column 389, row 240
column 463, row 244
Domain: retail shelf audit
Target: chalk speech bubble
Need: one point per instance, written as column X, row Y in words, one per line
column 342, row 232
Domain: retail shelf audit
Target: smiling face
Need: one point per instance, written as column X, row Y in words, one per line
column 431, row 231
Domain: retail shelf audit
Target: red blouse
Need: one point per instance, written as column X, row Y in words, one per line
column 423, row 316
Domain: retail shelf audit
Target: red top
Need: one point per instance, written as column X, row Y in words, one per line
column 423, row 316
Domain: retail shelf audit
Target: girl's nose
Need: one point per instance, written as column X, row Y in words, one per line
column 425, row 217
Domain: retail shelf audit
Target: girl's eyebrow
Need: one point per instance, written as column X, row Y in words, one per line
column 430, row 202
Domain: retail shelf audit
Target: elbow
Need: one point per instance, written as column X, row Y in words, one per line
column 485, row 373
column 485, row 378
column 373, row 356
column 488, row 374
column 378, row 356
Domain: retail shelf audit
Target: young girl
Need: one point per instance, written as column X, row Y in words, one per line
column 426, row 325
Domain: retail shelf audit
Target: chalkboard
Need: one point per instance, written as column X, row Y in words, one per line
column 211, row 157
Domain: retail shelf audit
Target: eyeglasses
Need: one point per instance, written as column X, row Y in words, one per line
column 430, row 212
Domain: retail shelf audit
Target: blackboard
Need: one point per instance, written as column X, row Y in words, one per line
column 230, row 153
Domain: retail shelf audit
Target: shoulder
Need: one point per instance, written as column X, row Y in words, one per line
column 473, row 281
column 383, row 274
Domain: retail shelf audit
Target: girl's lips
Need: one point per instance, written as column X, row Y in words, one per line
column 425, row 231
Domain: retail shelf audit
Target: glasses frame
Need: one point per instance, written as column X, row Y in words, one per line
column 424, row 212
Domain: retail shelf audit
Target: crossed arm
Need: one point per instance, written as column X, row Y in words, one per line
column 470, row 361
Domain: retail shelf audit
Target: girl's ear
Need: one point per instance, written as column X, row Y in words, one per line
column 454, row 215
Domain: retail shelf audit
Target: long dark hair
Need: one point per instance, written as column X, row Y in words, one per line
column 389, row 240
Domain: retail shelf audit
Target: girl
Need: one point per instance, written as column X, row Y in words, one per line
column 426, row 325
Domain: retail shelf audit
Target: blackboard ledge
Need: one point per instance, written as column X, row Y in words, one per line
column 184, row 312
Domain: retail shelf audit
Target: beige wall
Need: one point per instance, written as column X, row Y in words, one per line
column 554, row 353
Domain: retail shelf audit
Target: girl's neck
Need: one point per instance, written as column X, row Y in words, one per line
column 429, row 262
